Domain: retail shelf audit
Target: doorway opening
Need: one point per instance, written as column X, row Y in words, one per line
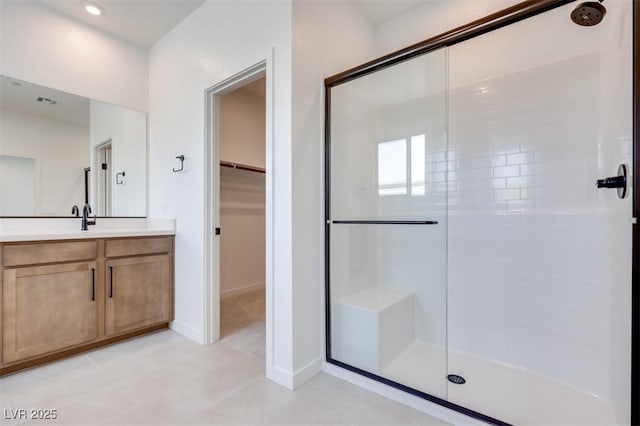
column 103, row 184
column 238, row 191
column 241, row 147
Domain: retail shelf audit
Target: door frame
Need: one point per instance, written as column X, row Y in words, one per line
column 635, row 258
column 212, row 95
column 102, row 183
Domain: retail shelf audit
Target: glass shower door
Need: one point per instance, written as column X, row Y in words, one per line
column 539, row 258
column 387, row 224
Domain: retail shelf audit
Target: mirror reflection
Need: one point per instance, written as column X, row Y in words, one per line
column 59, row 150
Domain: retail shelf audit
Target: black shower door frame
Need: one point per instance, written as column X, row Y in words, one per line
column 511, row 15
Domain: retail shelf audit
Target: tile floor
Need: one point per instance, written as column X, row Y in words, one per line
column 165, row 378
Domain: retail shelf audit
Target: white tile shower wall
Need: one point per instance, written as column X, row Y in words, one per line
column 413, row 258
column 353, row 155
column 353, row 260
column 530, row 155
column 412, row 102
column 539, row 259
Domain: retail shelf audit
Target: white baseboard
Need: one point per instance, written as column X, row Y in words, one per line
column 294, row 380
column 241, row 290
column 280, row 376
column 307, row 372
column 401, row 397
column 187, row 331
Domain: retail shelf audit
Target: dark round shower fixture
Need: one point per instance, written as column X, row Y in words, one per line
column 589, row 13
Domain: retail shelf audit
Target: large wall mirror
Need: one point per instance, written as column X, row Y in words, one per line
column 59, row 150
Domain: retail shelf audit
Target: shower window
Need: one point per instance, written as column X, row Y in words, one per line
column 401, row 166
column 392, row 168
column 471, row 258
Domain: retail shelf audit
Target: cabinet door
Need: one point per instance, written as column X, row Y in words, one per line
column 48, row 308
column 138, row 293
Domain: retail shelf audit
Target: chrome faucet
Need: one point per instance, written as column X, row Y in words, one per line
column 86, row 220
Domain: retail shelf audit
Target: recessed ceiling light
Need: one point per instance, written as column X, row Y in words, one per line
column 93, row 9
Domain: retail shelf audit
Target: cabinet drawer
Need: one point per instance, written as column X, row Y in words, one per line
column 137, row 246
column 44, row 252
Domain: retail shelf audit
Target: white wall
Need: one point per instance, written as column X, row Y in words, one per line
column 218, row 40
column 39, row 45
column 61, row 153
column 242, row 128
column 127, row 130
column 17, row 186
column 320, row 32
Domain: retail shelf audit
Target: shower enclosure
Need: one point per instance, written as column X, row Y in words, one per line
column 471, row 258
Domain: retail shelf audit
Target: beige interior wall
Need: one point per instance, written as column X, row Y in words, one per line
column 242, row 193
column 242, row 121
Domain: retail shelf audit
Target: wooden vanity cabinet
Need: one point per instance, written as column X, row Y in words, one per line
column 138, row 293
column 63, row 297
column 48, row 308
column 48, row 297
column 139, row 285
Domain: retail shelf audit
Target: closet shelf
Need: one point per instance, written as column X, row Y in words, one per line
column 242, row 166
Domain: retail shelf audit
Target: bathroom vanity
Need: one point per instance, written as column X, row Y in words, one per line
column 64, row 296
column 65, row 286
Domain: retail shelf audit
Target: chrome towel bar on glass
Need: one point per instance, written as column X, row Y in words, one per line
column 385, row 222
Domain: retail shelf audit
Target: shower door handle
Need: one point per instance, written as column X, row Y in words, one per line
column 612, row 182
column 617, row 182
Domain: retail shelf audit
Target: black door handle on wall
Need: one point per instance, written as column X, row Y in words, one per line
column 612, row 182
column 617, row 182
column 110, row 281
column 93, row 284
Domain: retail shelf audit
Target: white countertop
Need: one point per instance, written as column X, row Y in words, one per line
column 38, row 229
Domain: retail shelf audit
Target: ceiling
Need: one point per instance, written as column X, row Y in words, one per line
column 144, row 22
column 141, row 22
column 20, row 96
column 379, row 11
